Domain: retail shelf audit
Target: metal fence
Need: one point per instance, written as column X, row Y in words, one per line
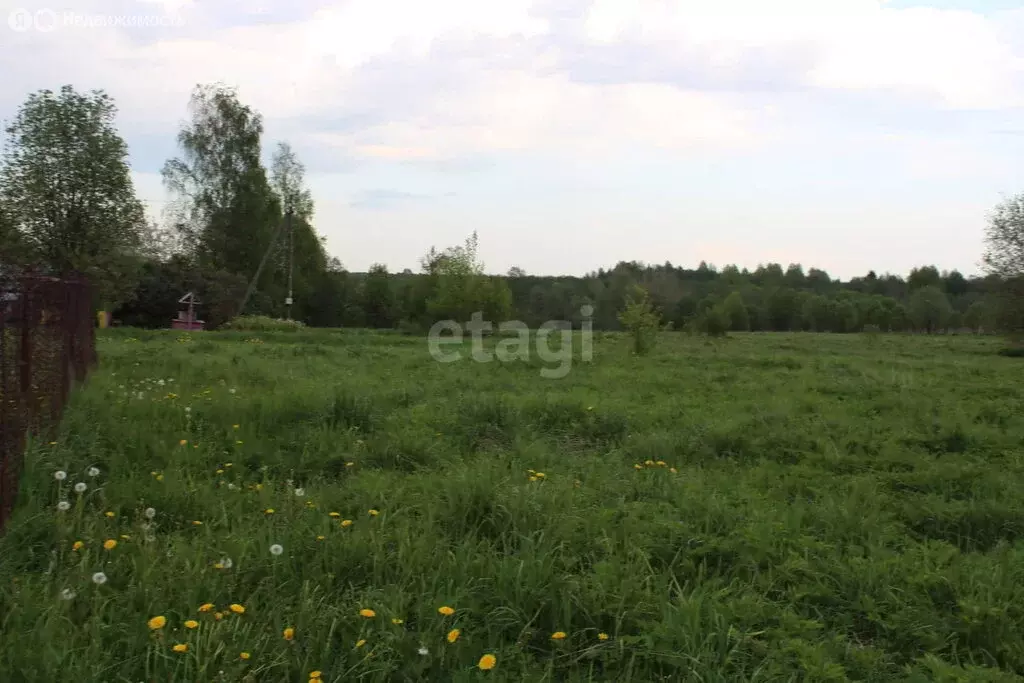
column 47, row 342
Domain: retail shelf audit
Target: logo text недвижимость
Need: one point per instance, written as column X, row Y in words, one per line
column 46, row 20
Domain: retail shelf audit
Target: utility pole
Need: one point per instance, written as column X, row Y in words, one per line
column 291, row 261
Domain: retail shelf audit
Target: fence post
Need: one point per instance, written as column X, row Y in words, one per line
column 26, row 399
column 40, row 359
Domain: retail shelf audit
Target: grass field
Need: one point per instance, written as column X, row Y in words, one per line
column 764, row 508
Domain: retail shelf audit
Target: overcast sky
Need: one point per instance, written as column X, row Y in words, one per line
column 843, row 134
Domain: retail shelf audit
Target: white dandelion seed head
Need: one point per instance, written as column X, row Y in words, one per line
column 150, row 513
column 188, row 409
column 60, row 475
column 99, row 578
column 160, row 382
column 300, row 492
column 63, row 506
column 276, row 549
column 67, row 594
column 232, row 487
column 423, row 651
column 226, row 563
column 80, row 487
column 231, row 391
column 94, row 471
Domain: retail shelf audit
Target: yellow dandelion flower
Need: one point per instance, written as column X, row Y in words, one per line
column 672, row 470
column 531, row 471
column 638, row 466
column 228, row 464
column 558, row 635
column 396, row 621
column 374, row 513
column 346, row 522
column 649, row 463
column 368, row 613
column 453, row 635
column 533, row 478
column 206, row 607
column 218, row 565
column 289, row 633
column 541, row 475
column 269, row 511
column 157, row 623
column 125, row 537
column 237, row 609
column 445, row 610
column 315, row 674
column 320, row 538
column 334, row 514
column 78, row 545
column 191, row 623
column 180, row 647
column 244, row 655
column 660, row 463
column 109, row 514
column 360, row 642
column 239, row 443
column 234, row 426
column 350, row 464
column 258, row 487
column 159, row 477
column 220, row 472
column 183, row 442
column 109, row 544
column 197, row 523
column 487, row 662
column 602, row 636
column 218, row 616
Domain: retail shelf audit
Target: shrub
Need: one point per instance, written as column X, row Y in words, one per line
column 640, row 319
column 262, row 323
column 716, row 322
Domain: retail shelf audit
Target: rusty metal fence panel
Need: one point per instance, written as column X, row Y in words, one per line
column 47, row 343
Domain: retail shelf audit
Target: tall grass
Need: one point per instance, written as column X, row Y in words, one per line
column 779, row 507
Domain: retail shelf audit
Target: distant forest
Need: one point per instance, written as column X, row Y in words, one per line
column 770, row 298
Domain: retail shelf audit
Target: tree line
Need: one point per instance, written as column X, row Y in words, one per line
column 241, row 236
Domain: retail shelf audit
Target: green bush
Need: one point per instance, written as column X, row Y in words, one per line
column 262, row 323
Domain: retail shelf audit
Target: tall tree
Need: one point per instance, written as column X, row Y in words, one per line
column 1004, row 257
column 67, row 190
column 1004, row 239
column 287, row 177
column 225, row 207
column 302, row 254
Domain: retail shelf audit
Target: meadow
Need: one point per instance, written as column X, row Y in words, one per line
column 767, row 507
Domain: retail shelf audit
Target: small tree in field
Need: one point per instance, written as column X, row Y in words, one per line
column 640, row 319
column 716, row 322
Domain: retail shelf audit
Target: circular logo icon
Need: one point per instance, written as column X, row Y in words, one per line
column 19, row 20
column 46, row 20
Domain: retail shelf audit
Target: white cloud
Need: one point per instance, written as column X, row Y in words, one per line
column 958, row 57
column 457, row 78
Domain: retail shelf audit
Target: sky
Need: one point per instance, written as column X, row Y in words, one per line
column 847, row 135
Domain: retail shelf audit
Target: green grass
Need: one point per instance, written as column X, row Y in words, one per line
column 830, row 508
